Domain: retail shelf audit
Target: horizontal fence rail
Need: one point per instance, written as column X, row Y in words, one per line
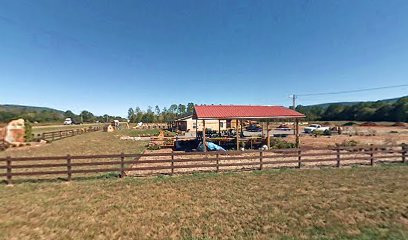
column 57, row 135
column 181, row 162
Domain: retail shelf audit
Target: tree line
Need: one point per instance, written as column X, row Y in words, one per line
column 151, row 115
column 49, row 116
column 365, row 111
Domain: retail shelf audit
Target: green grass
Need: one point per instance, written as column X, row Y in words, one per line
column 88, row 143
column 352, row 203
column 94, row 143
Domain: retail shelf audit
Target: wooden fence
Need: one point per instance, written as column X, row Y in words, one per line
column 57, row 135
column 181, row 162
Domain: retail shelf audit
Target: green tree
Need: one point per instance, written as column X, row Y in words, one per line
column 87, row 116
column 131, row 115
column 190, row 108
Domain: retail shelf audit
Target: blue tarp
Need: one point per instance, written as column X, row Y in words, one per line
column 211, row 147
column 214, row 147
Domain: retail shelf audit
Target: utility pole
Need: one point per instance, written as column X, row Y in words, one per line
column 295, row 132
column 294, row 101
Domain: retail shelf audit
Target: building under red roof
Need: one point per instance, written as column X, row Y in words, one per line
column 243, row 112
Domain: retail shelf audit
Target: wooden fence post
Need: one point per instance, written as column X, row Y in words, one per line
column 122, row 165
column 69, row 172
column 372, row 155
column 172, row 162
column 404, row 148
column 338, row 156
column 218, row 162
column 299, row 158
column 261, row 159
column 9, row 174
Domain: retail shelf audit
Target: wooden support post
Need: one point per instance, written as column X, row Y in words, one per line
column 218, row 162
column 268, row 137
column 69, row 171
column 261, row 159
column 371, row 155
column 122, row 165
column 242, row 128
column 172, row 162
column 237, row 130
column 338, row 156
column 196, row 128
column 219, row 127
column 404, row 148
column 262, row 134
column 204, row 142
column 299, row 158
column 297, row 132
column 9, row 174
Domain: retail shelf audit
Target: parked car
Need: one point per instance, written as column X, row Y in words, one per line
column 68, row 121
column 71, row 121
column 254, row 128
column 315, row 127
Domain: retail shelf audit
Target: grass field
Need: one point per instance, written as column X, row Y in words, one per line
column 94, row 143
column 353, row 203
column 89, row 143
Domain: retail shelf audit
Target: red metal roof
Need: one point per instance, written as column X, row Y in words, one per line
column 243, row 111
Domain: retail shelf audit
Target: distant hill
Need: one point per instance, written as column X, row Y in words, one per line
column 395, row 110
column 34, row 114
column 10, row 112
column 326, row 105
column 21, row 108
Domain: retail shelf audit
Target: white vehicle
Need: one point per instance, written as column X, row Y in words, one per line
column 315, row 127
column 68, row 121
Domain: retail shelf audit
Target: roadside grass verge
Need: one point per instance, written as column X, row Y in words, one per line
column 348, row 203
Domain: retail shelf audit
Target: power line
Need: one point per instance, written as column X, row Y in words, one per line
column 349, row 91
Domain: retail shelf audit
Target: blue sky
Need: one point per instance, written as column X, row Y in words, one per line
column 107, row 56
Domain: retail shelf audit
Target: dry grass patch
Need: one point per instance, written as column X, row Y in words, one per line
column 358, row 203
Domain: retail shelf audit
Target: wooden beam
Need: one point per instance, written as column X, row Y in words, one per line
column 219, row 127
column 268, row 137
column 196, row 128
column 297, row 132
column 242, row 129
column 237, row 130
column 205, row 146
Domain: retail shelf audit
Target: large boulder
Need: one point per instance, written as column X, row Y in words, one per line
column 15, row 131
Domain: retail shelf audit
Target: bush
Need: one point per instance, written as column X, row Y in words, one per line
column 153, row 147
column 28, row 135
column 277, row 143
column 347, row 143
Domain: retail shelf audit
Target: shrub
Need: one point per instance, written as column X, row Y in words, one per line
column 277, row 143
column 153, row 147
column 347, row 143
column 28, row 135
